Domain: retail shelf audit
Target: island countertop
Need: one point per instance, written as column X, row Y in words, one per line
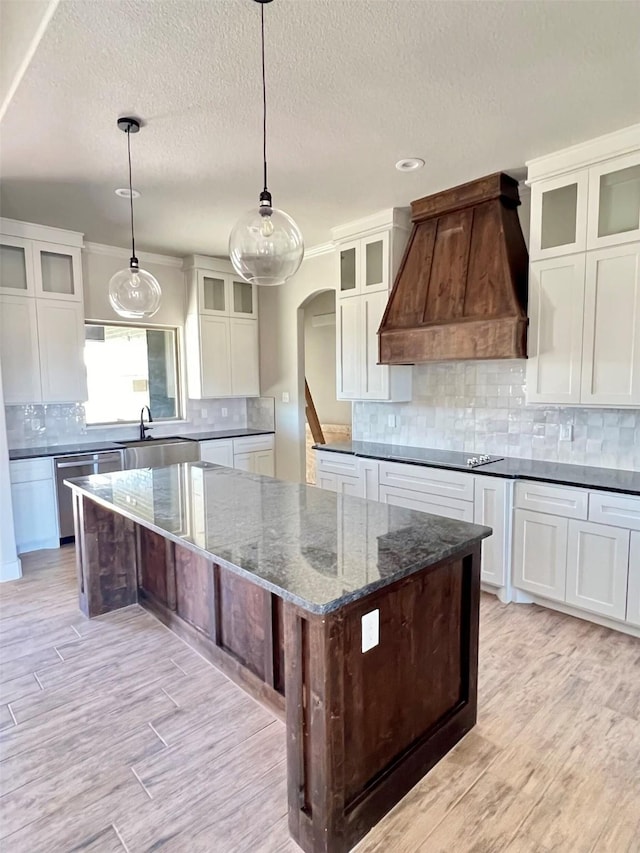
column 309, row 546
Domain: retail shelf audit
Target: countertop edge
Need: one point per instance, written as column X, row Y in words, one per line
column 486, row 470
column 320, row 610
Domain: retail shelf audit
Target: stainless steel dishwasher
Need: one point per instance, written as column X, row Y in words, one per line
column 80, row 465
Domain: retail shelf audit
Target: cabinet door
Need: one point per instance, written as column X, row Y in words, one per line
column 611, row 348
column 19, row 356
column 58, row 272
column 352, row 486
column 614, row 202
column 35, row 515
column 218, row 452
column 597, row 568
column 215, row 355
column 244, row 462
column 243, row 300
column 540, row 553
column 16, row 266
column 633, row 589
column 446, row 507
column 61, row 343
column 245, row 365
column 264, row 463
column 559, row 216
column 489, row 508
column 327, row 480
column 213, row 293
column 348, row 346
column 375, row 377
column 556, row 303
column 374, row 263
column 349, row 269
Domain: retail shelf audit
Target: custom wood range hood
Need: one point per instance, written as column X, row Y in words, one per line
column 461, row 290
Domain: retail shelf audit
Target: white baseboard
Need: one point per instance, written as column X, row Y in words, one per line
column 624, row 627
column 11, row 571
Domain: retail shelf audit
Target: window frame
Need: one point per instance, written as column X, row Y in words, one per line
column 181, row 400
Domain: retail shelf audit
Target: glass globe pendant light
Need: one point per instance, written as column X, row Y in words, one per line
column 133, row 292
column 265, row 245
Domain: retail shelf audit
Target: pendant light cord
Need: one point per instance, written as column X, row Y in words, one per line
column 133, row 238
column 264, row 101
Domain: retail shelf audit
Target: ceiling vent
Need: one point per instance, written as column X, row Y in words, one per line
column 461, row 291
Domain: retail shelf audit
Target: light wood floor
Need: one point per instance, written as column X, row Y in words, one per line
column 116, row 736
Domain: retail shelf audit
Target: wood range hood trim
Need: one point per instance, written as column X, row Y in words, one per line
column 461, row 290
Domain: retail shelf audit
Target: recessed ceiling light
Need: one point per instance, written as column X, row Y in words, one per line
column 409, row 164
column 123, row 192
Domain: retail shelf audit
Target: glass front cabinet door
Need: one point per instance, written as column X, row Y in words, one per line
column 213, row 294
column 243, row 299
column 559, row 216
column 16, row 267
column 349, row 268
column 375, row 263
column 614, row 202
column 58, row 271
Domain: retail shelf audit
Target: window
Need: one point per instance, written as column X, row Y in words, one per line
column 129, row 367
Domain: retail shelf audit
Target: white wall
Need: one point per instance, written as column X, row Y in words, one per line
column 319, row 360
column 10, row 567
column 99, row 263
column 281, row 345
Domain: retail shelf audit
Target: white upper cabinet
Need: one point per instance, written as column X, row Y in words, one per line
column 611, row 342
column 614, row 202
column 584, row 292
column 42, row 323
column 559, row 216
column 368, row 255
column 221, row 331
column 58, row 272
column 16, row 266
column 19, row 354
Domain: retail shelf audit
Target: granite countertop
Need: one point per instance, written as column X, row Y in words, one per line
column 315, row 548
column 100, row 446
column 583, row 476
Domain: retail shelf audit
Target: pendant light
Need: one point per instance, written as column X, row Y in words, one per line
column 266, row 245
column 133, row 292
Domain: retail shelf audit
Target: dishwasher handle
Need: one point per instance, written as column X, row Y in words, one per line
column 75, row 464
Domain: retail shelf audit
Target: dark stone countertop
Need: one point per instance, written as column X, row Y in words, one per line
column 98, row 446
column 225, row 433
column 315, row 548
column 583, row 476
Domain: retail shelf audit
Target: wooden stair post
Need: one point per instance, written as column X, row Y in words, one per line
column 312, row 416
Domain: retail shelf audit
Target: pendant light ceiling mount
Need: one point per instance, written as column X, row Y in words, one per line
column 134, row 293
column 265, row 245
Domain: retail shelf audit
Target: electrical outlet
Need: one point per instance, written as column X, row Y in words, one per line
column 203, row 413
column 225, row 412
column 566, row 432
column 392, row 421
column 370, row 630
column 285, row 396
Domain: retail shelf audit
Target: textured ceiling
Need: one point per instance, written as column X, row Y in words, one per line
column 354, row 85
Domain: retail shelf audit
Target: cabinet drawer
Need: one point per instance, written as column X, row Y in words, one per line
column 554, row 500
column 28, row 470
column 337, row 463
column 443, row 506
column 252, row 443
column 432, row 481
column 617, row 510
column 218, row 451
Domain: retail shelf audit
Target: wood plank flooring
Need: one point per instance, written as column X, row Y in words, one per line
column 116, row 736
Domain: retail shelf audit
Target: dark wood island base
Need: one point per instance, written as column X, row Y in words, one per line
column 362, row 727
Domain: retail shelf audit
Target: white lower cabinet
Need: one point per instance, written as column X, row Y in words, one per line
column 540, row 553
column 264, row 463
column 35, row 508
column 217, row 451
column 343, row 485
column 491, row 508
column 633, row 589
column 254, row 454
column 434, row 504
column 597, row 568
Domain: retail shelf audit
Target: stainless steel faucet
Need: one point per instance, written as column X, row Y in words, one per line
column 145, row 429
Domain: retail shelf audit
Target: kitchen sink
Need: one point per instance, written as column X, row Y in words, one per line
column 156, row 452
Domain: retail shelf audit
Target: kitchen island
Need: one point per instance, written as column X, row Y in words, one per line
column 355, row 621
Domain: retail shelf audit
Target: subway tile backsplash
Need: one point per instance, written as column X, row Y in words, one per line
column 480, row 406
column 33, row 425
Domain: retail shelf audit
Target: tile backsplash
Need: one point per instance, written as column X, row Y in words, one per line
column 480, row 406
column 33, row 425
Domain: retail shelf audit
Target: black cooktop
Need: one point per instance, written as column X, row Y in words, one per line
column 452, row 458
